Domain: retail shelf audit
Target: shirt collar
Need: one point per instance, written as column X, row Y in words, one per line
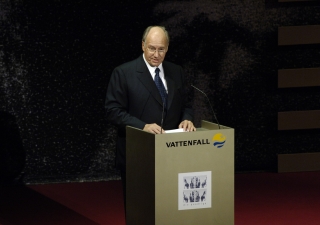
column 153, row 68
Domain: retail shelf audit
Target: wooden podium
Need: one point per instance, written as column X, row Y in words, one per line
column 182, row 178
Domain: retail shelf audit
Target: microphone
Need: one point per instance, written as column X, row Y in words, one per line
column 215, row 117
column 161, row 125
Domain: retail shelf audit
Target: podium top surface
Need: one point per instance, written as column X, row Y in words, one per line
column 206, row 125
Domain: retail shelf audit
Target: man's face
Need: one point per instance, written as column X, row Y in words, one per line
column 155, row 47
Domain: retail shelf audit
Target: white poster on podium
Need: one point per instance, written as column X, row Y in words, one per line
column 194, row 190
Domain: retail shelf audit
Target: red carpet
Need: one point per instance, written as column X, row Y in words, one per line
column 277, row 199
column 102, row 202
column 260, row 199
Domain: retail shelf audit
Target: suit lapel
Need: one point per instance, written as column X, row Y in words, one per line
column 170, row 83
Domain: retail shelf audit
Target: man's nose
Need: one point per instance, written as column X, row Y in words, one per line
column 156, row 53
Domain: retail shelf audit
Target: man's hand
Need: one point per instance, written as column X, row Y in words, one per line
column 187, row 125
column 153, row 128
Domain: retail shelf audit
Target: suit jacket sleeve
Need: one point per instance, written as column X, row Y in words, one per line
column 117, row 102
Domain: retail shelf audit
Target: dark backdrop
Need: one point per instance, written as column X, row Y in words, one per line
column 56, row 58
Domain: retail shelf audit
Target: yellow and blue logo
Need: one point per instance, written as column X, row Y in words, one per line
column 219, row 140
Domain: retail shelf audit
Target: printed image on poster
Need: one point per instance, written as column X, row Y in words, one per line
column 194, row 190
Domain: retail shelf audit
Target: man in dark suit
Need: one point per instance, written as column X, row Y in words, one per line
column 133, row 97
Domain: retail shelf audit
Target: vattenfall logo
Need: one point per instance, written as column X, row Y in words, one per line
column 218, row 141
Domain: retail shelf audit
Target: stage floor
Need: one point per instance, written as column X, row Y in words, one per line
column 260, row 198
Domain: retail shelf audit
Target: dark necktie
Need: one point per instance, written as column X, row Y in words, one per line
column 161, row 87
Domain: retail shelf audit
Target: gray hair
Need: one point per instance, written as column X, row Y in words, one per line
column 146, row 32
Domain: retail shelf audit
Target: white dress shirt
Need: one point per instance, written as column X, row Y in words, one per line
column 153, row 72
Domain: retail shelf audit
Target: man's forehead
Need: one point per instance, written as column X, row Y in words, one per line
column 157, row 42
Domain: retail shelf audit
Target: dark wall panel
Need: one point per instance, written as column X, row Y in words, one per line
column 298, row 0
column 298, row 35
column 303, row 77
column 298, row 120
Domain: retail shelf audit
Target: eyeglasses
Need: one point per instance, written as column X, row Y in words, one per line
column 153, row 50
